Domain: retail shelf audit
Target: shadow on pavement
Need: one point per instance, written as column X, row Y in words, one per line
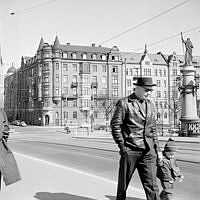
column 127, row 198
column 59, row 196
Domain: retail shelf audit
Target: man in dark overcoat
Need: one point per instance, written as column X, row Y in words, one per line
column 133, row 128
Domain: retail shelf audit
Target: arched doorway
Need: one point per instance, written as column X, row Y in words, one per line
column 46, row 120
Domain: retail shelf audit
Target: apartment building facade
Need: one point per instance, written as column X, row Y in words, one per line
column 73, row 84
column 65, row 84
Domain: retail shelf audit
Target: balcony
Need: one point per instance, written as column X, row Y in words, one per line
column 94, row 85
column 74, row 84
column 75, row 96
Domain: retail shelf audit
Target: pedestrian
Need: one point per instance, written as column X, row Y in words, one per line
column 8, row 166
column 134, row 130
column 168, row 171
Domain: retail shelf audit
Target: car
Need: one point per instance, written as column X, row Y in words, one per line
column 22, row 123
column 16, row 122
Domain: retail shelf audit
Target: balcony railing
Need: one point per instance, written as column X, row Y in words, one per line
column 74, row 84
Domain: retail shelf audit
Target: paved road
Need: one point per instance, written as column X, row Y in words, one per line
column 100, row 159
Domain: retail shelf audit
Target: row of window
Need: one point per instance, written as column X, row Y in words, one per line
column 83, row 56
column 74, row 115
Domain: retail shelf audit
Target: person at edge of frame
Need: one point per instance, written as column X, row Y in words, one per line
column 8, row 165
column 133, row 128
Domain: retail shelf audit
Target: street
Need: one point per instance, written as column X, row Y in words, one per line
column 98, row 157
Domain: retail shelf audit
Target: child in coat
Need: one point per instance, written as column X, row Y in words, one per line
column 168, row 171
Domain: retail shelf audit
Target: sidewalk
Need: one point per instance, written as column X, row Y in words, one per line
column 42, row 180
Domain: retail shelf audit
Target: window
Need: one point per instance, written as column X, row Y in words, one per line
column 158, row 94
column 74, row 114
column 74, row 91
column 57, row 90
column 65, row 90
column 57, row 78
column 57, row 66
column 164, row 71
column 85, row 79
column 174, row 72
column 165, row 94
column 85, row 90
column 74, row 66
column 46, row 66
column 114, row 79
column 165, row 115
column 165, row 83
column 57, row 114
column 115, row 92
column 74, row 55
column 158, row 83
column 103, row 79
column 136, row 72
column 65, row 67
column 65, row 78
column 160, row 72
column 103, row 68
column 74, row 79
column 94, row 56
column 147, row 72
column 103, row 57
column 65, row 115
column 94, row 68
column 85, row 103
column 129, row 82
column 75, row 103
column 64, row 55
column 94, row 79
column 147, row 62
column 156, row 72
column 115, row 69
column 130, row 72
column 84, row 56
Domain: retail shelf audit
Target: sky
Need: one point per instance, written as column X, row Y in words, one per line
column 127, row 24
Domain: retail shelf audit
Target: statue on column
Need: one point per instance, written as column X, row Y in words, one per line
column 188, row 47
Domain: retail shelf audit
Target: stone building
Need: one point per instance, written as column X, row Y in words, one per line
column 71, row 84
column 65, row 84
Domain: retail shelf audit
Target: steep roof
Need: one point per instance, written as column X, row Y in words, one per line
column 136, row 58
column 78, row 48
column 41, row 44
column 56, row 44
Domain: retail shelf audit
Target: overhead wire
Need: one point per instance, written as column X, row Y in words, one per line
column 168, row 38
column 29, row 8
column 138, row 25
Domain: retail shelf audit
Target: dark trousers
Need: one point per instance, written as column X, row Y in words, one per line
column 145, row 162
column 166, row 193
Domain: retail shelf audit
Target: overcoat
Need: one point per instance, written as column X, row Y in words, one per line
column 8, row 164
column 130, row 124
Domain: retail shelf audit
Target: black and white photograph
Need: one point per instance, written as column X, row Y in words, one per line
column 100, row 99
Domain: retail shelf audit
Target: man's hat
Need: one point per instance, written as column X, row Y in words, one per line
column 145, row 82
column 170, row 146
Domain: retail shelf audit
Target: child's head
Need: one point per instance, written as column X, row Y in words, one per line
column 170, row 148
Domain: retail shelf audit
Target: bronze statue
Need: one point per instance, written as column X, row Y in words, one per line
column 188, row 48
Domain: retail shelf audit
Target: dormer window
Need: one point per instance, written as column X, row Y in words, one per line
column 84, row 56
column 74, row 55
column 94, row 56
column 103, row 57
column 64, row 55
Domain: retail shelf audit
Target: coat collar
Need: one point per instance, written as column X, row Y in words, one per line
column 133, row 98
